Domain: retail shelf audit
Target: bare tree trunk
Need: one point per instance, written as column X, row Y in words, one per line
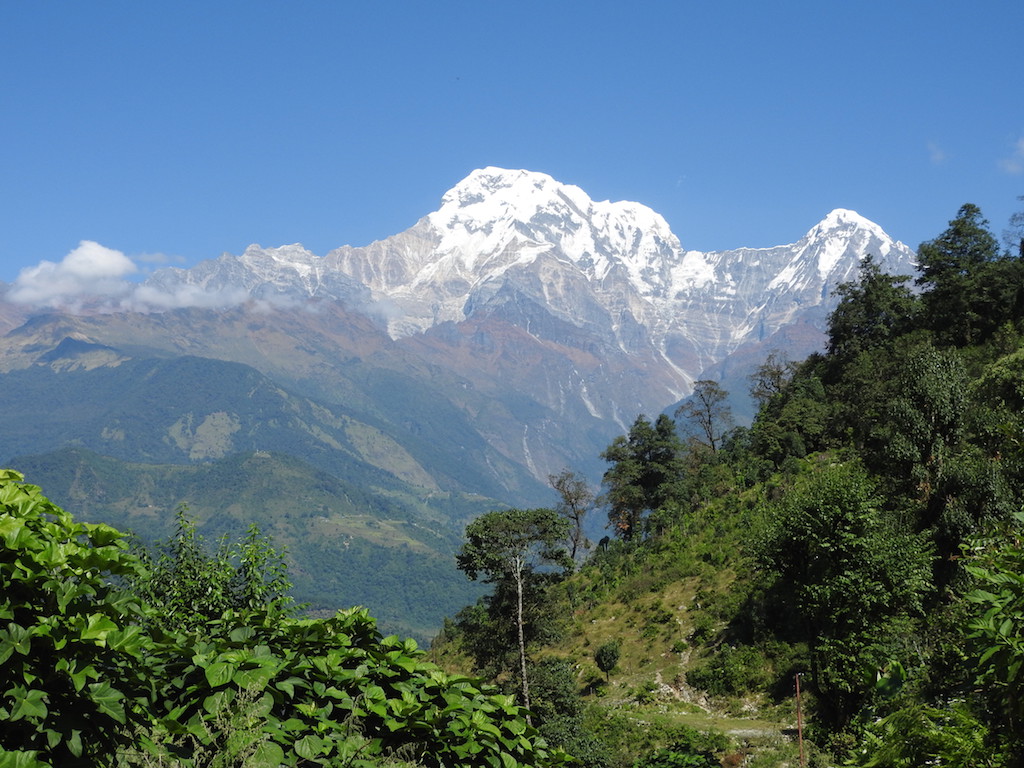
column 518, row 573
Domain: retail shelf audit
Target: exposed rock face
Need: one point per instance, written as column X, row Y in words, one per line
column 548, row 319
column 609, row 279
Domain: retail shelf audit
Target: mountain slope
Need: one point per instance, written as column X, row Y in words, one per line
column 510, row 334
column 600, row 280
column 345, row 545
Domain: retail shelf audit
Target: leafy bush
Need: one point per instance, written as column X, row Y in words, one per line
column 333, row 690
column 188, row 586
column 71, row 652
column 627, row 737
column 703, row 630
column 86, row 671
column 731, row 671
column 672, row 757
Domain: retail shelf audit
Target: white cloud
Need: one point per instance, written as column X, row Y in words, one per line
column 1014, row 164
column 90, row 271
column 96, row 277
column 148, row 298
column 936, row 154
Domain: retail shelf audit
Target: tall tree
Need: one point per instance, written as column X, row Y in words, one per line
column 576, row 501
column 707, row 410
column 509, row 546
column 949, row 266
column 871, row 311
column 645, row 472
column 1013, row 236
column 771, row 377
column 967, row 243
column 851, row 575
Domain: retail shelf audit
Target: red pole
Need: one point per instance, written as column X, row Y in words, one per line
column 799, row 721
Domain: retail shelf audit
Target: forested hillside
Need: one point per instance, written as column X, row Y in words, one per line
column 863, row 539
column 345, row 543
column 841, row 583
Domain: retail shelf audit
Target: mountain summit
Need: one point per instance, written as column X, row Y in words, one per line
column 612, row 269
column 609, row 268
column 368, row 402
column 546, row 319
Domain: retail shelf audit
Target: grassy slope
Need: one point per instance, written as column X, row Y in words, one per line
column 673, row 604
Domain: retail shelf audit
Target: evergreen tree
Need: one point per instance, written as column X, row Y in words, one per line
column 872, row 310
column 646, row 468
column 949, row 267
column 851, row 575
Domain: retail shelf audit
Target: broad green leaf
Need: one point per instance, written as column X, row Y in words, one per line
column 75, row 743
column 101, row 534
column 130, row 640
column 219, row 673
column 242, row 634
column 253, row 679
column 108, row 700
column 26, row 759
column 309, row 747
column 28, row 704
column 10, row 529
column 216, row 702
column 268, row 755
column 97, row 627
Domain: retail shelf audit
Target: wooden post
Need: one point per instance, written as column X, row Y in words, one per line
column 799, row 721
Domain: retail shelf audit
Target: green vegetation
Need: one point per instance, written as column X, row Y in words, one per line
column 215, row 671
column 865, row 533
column 607, row 657
column 344, row 544
column 864, row 536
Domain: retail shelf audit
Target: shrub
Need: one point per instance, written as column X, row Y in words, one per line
column 71, row 654
column 87, row 671
column 731, row 671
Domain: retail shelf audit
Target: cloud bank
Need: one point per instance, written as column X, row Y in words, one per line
column 90, row 270
column 97, row 278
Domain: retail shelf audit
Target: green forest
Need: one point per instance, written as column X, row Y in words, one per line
column 863, row 538
column 862, row 542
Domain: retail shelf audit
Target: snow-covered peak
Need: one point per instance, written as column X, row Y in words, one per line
column 490, row 195
column 833, row 247
column 503, row 237
column 283, row 253
column 496, row 190
column 843, row 219
column 519, row 214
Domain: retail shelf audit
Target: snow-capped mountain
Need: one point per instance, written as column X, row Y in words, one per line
column 546, row 320
column 510, row 334
column 497, row 224
column 613, row 270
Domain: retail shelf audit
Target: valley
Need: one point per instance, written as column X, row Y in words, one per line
column 432, row 375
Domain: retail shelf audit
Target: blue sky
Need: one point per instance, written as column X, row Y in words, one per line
column 173, row 132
